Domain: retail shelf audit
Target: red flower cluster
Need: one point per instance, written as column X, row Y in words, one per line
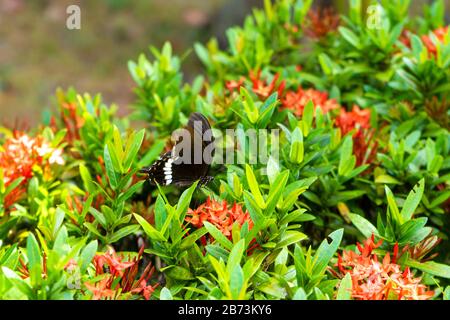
column 233, row 85
column 375, row 280
column 220, row 215
column 264, row 90
column 72, row 121
column 120, row 277
column 259, row 86
column 321, row 22
column 20, row 155
column 440, row 34
column 296, row 101
column 364, row 148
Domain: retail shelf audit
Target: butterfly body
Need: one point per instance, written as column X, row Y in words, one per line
column 182, row 166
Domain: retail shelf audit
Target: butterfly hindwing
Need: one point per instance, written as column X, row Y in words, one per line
column 171, row 169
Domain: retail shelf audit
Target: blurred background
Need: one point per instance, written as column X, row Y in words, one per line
column 38, row 53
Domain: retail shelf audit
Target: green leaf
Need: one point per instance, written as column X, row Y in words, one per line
column 34, row 260
column 123, row 232
column 87, row 179
column 99, row 217
column 249, row 106
column 185, row 200
column 347, row 161
column 345, row 288
column 12, row 185
column 236, row 282
column 18, row 282
column 190, row 239
column 446, row 294
column 253, row 185
column 431, row 267
column 218, row 235
column 296, row 152
column 110, row 168
column 290, row 237
column 326, row 251
column 235, row 256
column 386, row 179
column 276, row 191
column 131, row 191
column 393, row 209
column 153, row 153
column 413, row 200
column 149, row 230
column 87, row 254
column 300, row 294
column 178, row 273
column 350, row 36
column 363, row 225
column 134, row 143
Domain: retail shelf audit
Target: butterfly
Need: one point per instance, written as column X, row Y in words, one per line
column 190, row 158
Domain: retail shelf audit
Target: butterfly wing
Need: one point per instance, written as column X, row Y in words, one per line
column 171, row 169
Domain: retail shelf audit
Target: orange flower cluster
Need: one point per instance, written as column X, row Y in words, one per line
column 233, row 85
column 440, row 34
column 375, row 280
column 296, row 101
column 363, row 146
column 264, row 90
column 259, row 86
column 121, row 277
column 19, row 155
column 72, row 121
column 220, row 215
column 321, row 22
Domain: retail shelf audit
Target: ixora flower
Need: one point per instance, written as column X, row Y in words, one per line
column 220, row 214
column 379, row 280
column 233, row 85
column 118, row 277
column 440, row 34
column 320, row 22
column 20, row 156
column 358, row 121
column 264, row 90
column 297, row 100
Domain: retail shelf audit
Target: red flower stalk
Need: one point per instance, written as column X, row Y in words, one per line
column 21, row 154
column 375, row 280
column 120, row 277
column 364, row 148
column 320, row 22
column 72, row 121
column 296, row 101
column 220, row 215
column 264, row 90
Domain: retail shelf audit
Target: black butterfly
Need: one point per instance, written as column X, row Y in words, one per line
column 185, row 163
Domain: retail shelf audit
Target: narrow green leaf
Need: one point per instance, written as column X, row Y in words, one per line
column 254, row 188
column 345, row 288
column 413, row 200
column 218, row 235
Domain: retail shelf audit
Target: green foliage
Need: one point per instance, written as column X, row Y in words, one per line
column 270, row 226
